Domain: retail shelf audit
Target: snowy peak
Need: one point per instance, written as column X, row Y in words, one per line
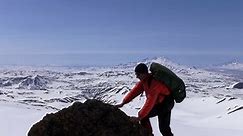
column 177, row 68
column 34, row 83
column 235, row 65
column 161, row 60
column 27, row 82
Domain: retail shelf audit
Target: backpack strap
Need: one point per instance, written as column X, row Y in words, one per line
column 150, row 79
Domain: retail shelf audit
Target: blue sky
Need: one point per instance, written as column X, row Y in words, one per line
column 87, row 32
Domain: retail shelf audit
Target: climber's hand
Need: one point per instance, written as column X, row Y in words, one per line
column 119, row 105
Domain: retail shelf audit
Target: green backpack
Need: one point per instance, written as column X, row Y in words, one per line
column 171, row 80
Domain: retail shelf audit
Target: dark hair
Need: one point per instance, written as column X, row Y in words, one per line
column 141, row 68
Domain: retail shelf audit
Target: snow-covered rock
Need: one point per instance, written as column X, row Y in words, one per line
column 238, row 85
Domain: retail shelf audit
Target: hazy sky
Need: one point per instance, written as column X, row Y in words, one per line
column 102, row 31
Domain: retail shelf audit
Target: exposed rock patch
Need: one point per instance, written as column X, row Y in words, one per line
column 238, row 85
column 92, row 118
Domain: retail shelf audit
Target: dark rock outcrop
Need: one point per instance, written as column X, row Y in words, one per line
column 238, row 85
column 92, row 118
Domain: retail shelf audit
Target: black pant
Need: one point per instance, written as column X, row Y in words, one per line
column 163, row 111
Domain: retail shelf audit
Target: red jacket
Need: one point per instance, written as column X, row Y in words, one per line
column 155, row 93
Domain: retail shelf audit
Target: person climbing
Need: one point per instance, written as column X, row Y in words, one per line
column 159, row 101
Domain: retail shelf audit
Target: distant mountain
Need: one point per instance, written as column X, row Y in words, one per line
column 233, row 69
column 162, row 60
column 234, row 65
column 34, row 83
column 27, row 82
column 50, row 88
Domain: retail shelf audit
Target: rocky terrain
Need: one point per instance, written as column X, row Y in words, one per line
column 91, row 118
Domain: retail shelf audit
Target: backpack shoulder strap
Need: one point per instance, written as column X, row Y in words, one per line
column 150, row 79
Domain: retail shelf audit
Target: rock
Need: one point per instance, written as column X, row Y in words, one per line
column 92, row 118
column 238, row 85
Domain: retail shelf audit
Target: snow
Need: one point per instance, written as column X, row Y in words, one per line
column 16, row 120
column 195, row 116
column 209, row 109
column 202, row 117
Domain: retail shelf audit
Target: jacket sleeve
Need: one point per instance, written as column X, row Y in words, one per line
column 156, row 95
column 148, row 105
column 138, row 89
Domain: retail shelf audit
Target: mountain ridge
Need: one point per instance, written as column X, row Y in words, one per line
column 56, row 88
